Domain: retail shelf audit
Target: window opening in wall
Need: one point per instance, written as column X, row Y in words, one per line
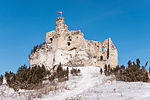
column 101, row 58
column 69, row 38
column 51, row 39
column 108, row 53
column 68, row 43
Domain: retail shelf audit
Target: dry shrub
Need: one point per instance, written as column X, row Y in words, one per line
column 75, row 72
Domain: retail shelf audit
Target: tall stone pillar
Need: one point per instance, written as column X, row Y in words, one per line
column 60, row 26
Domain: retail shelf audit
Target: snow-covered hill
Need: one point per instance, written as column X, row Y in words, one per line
column 90, row 85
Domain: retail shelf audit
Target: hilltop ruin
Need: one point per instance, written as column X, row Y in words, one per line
column 71, row 49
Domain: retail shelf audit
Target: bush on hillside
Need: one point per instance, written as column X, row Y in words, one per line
column 1, row 79
column 75, row 72
column 132, row 73
column 10, row 77
column 26, row 78
column 101, row 70
column 60, row 73
column 37, row 47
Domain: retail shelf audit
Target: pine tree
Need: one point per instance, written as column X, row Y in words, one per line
column 105, row 70
column 20, row 76
column 67, row 73
column 59, row 71
column 10, row 77
column 129, row 63
column 109, row 69
column 117, row 68
column 1, row 79
column 138, row 63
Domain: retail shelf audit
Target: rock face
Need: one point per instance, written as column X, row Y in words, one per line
column 71, row 49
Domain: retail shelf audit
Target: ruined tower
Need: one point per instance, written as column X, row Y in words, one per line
column 60, row 26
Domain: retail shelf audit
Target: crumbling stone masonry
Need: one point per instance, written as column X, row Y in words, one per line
column 71, row 49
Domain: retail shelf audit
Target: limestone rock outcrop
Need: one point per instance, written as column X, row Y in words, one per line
column 71, row 49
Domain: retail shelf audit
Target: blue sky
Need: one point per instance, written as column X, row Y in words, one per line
column 24, row 23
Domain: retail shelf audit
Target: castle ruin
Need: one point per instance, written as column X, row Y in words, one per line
column 71, row 49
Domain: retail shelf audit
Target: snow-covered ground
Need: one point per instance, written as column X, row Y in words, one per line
column 78, row 84
column 90, row 85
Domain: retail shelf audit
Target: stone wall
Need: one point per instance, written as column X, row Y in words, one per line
column 71, row 49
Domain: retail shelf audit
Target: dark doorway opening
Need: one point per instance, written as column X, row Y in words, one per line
column 101, row 58
column 68, row 43
column 51, row 39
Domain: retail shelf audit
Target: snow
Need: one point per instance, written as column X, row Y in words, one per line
column 93, row 86
column 78, row 84
column 90, row 85
column 4, row 81
column 118, row 91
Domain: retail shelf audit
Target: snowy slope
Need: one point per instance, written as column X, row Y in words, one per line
column 93, row 86
column 78, row 84
column 90, row 85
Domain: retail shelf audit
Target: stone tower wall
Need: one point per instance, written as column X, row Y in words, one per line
column 60, row 25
